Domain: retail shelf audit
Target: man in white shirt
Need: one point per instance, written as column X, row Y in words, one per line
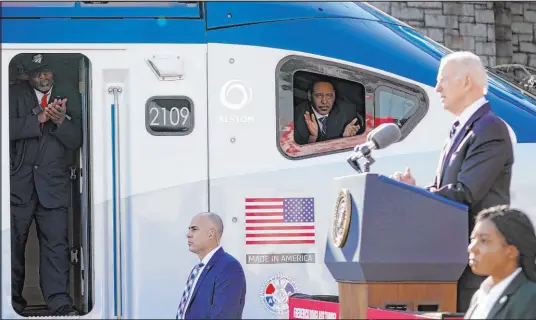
column 475, row 167
column 216, row 286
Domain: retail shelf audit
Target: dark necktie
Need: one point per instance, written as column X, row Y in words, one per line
column 446, row 149
column 453, row 129
column 324, row 122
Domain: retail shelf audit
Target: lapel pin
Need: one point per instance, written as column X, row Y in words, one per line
column 503, row 299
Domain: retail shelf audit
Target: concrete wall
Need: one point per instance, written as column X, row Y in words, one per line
column 499, row 32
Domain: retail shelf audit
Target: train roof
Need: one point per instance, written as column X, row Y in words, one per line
column 360, row 33
column 218, row 14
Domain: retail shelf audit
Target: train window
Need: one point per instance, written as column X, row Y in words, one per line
column 169, row 116
column 37, row 4
column 138, row 4
column 395, row 104
column 325, row 107
column 99, row 4
column 100, row 9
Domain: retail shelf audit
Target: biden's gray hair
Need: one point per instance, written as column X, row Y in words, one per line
column 470, row 64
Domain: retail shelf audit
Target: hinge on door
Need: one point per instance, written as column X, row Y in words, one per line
column 74, row 255
column 73, row 173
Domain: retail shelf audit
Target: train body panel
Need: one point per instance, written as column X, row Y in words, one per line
column 204, row 121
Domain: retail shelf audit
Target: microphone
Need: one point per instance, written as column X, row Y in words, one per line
column 380, row 138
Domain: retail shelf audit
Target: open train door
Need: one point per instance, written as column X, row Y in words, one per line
column 81, row 248
column 71, row 73
column 143, row 170
column 7, row 310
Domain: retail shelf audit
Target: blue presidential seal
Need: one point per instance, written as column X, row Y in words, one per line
column 276, row 292
column 341, row 218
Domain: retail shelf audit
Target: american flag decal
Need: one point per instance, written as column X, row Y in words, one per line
column 280, row 221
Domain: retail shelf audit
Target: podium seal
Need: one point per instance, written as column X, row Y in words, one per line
column 341, row 218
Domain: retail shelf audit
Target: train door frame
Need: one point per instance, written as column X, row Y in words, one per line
column 80, row 217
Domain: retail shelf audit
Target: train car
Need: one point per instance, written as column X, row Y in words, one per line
column 189, row 107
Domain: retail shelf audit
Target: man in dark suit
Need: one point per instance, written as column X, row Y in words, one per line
column 216, row 287
column 321, row 118
column 475, row 167
column 44, row 131
column 503, row 248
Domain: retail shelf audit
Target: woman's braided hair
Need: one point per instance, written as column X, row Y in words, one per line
column 517, row 229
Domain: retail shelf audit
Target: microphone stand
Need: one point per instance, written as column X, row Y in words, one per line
column 368, row 160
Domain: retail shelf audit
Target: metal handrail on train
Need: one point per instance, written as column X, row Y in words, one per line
column 115, row 90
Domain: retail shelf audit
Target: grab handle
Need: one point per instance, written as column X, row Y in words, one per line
column 116, row 179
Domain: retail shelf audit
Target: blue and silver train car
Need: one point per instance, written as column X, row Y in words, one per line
column 189, row 106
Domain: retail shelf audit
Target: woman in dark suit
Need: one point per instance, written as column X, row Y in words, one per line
column 503, row 247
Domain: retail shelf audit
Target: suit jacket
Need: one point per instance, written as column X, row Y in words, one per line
column 220, row 291
column 44, row 155
column 518, row 301
column 477, row 169
column 340, row 116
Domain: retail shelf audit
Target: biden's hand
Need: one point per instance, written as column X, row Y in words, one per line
column 405, row 177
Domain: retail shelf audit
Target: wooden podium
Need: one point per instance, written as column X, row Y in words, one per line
column 393, row 246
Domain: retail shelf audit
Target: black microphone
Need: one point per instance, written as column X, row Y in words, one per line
column 380, row 138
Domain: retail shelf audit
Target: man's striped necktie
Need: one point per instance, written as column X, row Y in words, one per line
column 188, row 290
column 324, row 122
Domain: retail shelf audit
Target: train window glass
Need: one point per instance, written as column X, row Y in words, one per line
column 395, row 104
column 169, row 116
column 138, row 4
column 99, row 4
column 35, row 81
column 37, row 4
column 352, row 95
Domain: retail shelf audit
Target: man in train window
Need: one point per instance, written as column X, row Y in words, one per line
column 45, row 131
column 321, row 117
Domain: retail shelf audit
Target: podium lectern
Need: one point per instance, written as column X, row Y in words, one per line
column 395, row 246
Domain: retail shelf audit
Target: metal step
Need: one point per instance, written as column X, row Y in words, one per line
column 39, row 310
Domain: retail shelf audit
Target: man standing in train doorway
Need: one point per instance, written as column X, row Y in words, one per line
column 45, row 132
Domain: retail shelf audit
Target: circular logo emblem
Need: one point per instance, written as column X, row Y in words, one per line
column 341, row 218
column 235, row 95
column 276, row 292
